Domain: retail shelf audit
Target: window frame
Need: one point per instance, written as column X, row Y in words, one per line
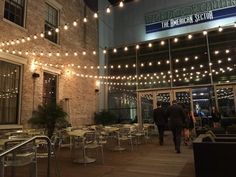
column 23, row 26
column 21, row 65
column 58, row 8
column 57, row 83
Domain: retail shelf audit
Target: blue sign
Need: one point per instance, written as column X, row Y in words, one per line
column 191, row 19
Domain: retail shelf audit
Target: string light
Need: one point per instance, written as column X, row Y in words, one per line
column 108, row 10
column 75, row 23
column 162, row 42
column 65, row 27
column 85, row 20
column 121, row 4
column 126, row 49
column 150, row 45
column 204, row 32
column 190, row 36
column 220, row 29
column 95, row 15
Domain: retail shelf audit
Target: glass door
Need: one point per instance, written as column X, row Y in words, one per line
column 147, row 107
column 184, row 97
column 226, row 98
column 165, row 97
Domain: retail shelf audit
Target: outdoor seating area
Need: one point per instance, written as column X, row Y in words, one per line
column 146, row 159
column 117, row 88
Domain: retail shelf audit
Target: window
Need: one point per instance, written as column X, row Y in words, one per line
column 9, row 92
column 49, row 88
column 51, row 23
column 14, row 11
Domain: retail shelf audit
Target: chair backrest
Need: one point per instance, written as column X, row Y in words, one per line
column 90, row 137
column 22, row 156
column 124, row 131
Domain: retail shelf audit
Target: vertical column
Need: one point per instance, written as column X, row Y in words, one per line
column 171, row 71
column 210, row 69
column 139, row 100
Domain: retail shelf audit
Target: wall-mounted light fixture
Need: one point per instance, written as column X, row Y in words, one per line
column 35, row 75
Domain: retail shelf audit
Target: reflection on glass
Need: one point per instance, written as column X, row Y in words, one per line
column 154, row 65
column 183, row 98
column 9, row 92
column 201, row 102
column 122, row 103
column 147, row 108
column 190, row 61
column 164, row 98
column 222, row 48
column 225, row 97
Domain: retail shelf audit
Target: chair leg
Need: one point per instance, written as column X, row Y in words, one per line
column 84, row 156
column 102, row 154
column 131, row 142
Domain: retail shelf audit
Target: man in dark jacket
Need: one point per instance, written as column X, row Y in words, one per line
column 160, row 120
column 177, row 118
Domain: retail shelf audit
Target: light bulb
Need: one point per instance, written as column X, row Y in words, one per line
column 108, row 10
column 121, row 4
column 126, row 49
column 57, row 30
column 42, row 35
column 204, row 32
column 66, row 27
column 150, row 45
column 95, row 15
column 85, row 20
column 190, row 36
column 162, row 42
column 75, row 23
column 220, row 29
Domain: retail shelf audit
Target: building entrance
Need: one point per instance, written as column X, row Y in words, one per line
column 200, row 100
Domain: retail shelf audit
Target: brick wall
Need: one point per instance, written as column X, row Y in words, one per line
column 80, row 91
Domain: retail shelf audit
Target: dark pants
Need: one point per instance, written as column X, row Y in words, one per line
column 161, row 129
column 176, row 131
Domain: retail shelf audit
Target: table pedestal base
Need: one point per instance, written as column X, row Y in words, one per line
column 85, row 160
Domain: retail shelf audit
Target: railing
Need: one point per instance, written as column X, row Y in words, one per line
column 3, row 154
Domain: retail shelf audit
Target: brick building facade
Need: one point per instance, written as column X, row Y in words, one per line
column 76, row 94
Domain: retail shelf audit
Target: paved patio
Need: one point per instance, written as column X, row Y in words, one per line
column 146, row 160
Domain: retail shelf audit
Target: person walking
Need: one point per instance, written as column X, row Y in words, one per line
column 177, row 118
column 189, row 125
column 215, row 117
column 160, row 120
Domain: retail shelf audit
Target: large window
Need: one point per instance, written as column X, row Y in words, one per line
column 14, row 11
column 198, row 61
column 51, row 23
column 9, row 92
column 49, row 88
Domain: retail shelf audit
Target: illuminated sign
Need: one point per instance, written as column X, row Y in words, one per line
column 188, row 15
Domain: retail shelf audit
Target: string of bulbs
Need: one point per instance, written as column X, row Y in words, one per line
column 65, row 27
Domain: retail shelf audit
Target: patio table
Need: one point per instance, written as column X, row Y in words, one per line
column 80, row 134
